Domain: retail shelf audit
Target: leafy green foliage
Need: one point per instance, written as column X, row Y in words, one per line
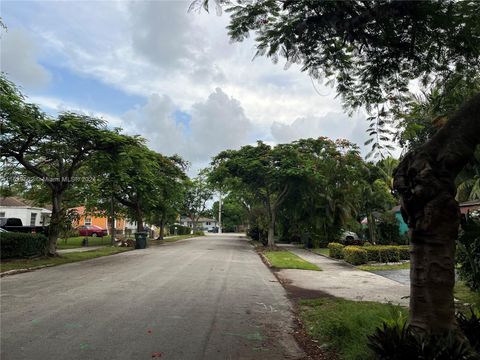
column 198, row 192
column 398, row 341
column 388, row 230
column 21, row 245
column 180, row 230
column 335, row 250
column 468, row 254
column 355, row 255
column 343, row 325
column 386, row 253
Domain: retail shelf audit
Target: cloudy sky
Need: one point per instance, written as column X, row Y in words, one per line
column 172, row 76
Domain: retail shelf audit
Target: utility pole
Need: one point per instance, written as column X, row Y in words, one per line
column 220, row 213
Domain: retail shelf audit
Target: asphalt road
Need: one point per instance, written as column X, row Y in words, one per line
column 203, row 298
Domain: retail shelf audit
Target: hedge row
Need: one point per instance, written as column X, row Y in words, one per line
column 22, row 245
column 355, row 255
column 180, row 230
column 375, row 253
column 335, row 250
column 387, row 253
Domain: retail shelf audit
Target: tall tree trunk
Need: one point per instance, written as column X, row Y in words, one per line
column 425, row 181
column 372, row 228
column 55, row 222
column 162, row 228
column 271, row 229
column 139, row 219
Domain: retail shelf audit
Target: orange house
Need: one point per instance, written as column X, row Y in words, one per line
column 88, row 218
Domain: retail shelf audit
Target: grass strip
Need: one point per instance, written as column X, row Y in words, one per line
column 343, row 325
column 464, row 295
column 288, row 260
column 76, row 242
column 384, row 267
column 63, row 259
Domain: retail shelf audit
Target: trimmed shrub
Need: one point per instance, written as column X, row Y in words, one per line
column 355, row 255
column 404, row 252
column 380, row 253
column 199, row 233
column 181, row 230
column 22, row 245
column 335, row 250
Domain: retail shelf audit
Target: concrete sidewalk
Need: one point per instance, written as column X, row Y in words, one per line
column 80, row 249
column 343, row 280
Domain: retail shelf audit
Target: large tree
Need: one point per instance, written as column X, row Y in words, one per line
column 372, row 51
column 51, row 149
column 266, row 173
column 197, row 192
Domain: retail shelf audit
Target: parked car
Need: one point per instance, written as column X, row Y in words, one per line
column 16, row 225
column 91, row 230
column 350, row 238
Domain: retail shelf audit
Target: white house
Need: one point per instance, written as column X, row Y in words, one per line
column 203, row 223
column 15, row 207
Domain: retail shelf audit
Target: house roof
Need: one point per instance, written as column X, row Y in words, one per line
column 12, row 201
column 16, row 201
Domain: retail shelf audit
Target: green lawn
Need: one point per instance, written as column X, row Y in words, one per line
column 343, row 325
column 466, row 296
column 63, row 259
column 384, row 267
column 321, row 251
column 75, row 242
column 288, row 260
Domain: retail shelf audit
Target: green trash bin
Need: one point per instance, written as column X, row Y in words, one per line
column 141, row 240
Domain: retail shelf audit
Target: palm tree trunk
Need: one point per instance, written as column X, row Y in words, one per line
column 425, row 182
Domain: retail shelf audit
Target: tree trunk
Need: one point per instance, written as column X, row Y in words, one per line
column 372, row 228
column 139, row 220
column 55, row 223
column 162, row 228
column 425, row 181
column 271, row 230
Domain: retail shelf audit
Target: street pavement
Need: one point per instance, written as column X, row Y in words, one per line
column 201, row 298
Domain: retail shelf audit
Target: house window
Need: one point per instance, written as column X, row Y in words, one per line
column 2, row 214
column 33, row 219
column 207, row 223
column 88, row 221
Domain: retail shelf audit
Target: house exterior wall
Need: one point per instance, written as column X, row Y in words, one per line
column 98, row 220
column 25, row 213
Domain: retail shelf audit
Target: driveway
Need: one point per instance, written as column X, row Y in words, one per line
column 340, row 279
column 201, row 298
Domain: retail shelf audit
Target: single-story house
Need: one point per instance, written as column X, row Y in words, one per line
column 26, row 210
column 203, row 223
column 98, row 219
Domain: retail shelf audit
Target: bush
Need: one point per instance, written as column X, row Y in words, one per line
column 468, row 254
column 199, row 233
column 257, row 234
column 22, row 245
column 383, row 253
column 398, row 341
column 404, row 252
column 181, row 230
column 355, row 255
column 335, row 250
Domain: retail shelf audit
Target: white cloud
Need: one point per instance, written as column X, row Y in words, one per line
column 19, row 59
column 334, row 125
column 216, row 124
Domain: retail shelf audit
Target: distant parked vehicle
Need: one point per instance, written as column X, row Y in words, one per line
column 91, row 230
column 350, row 238
column 213, row 230
column 16, row 225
